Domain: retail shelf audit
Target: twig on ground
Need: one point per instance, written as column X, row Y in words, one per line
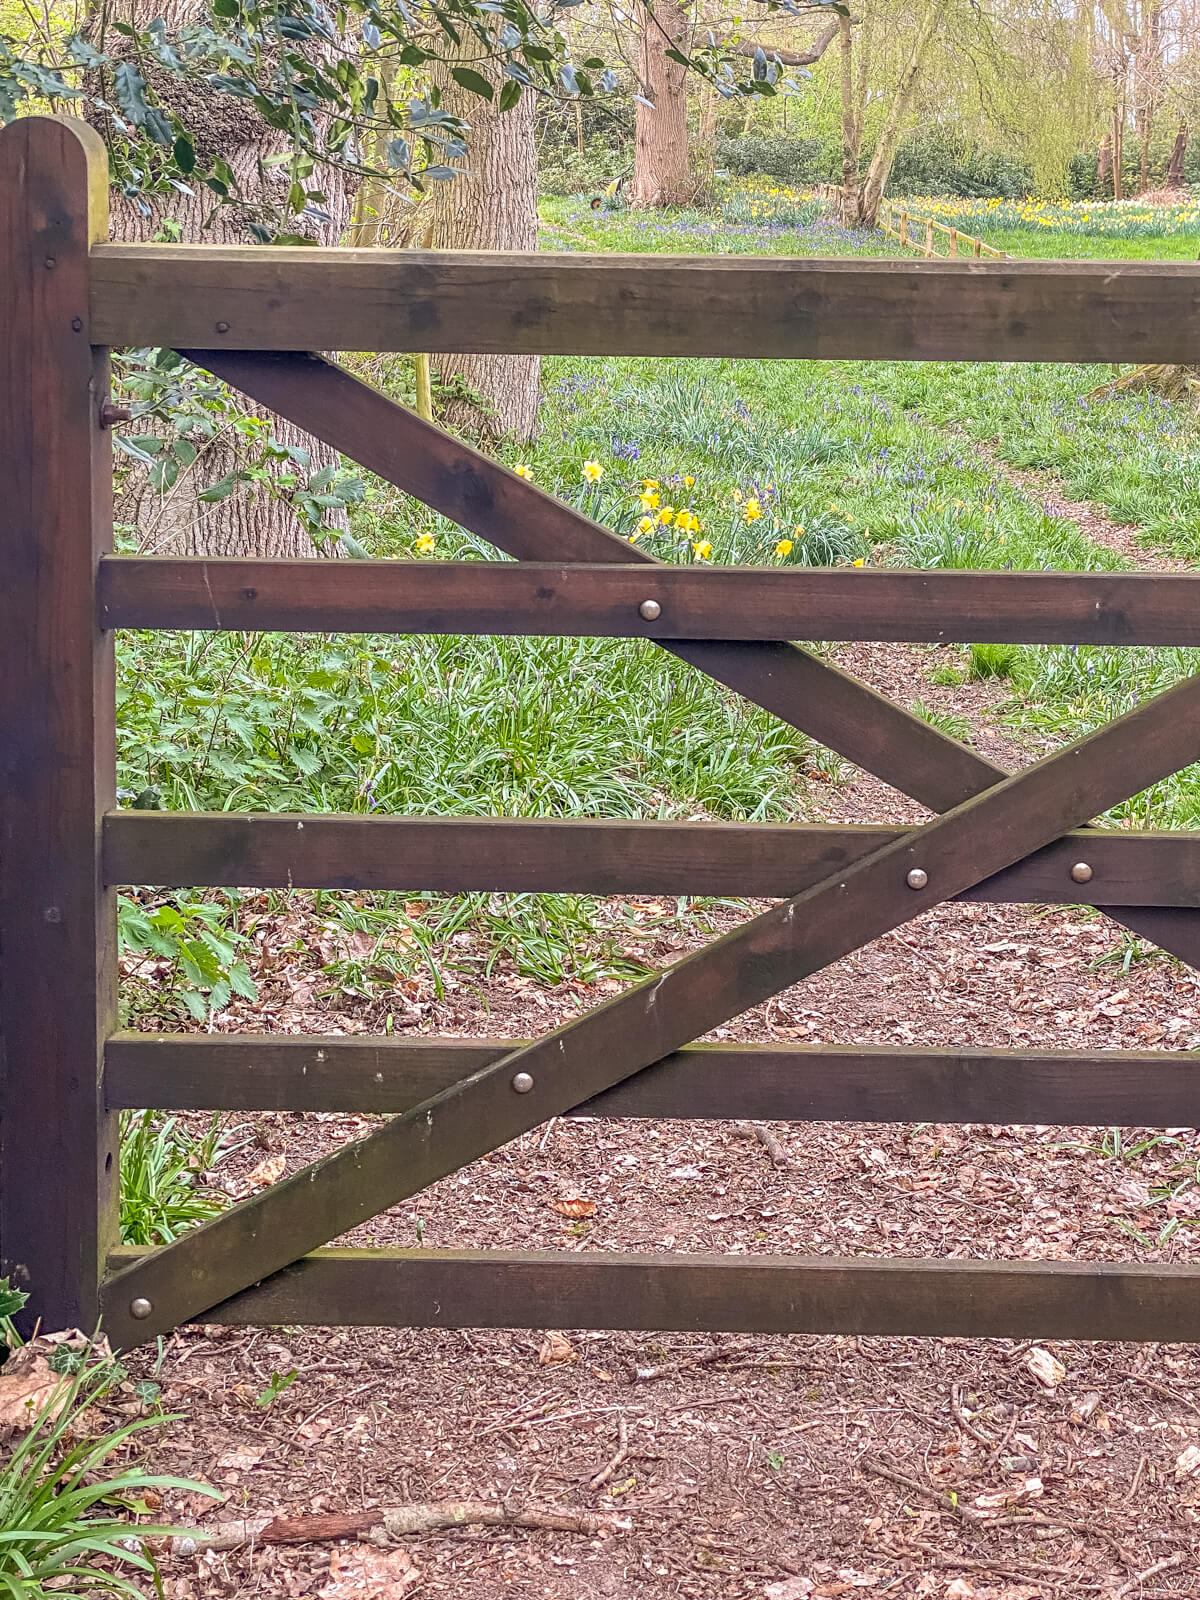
column 964, row 1422
column 939, row 1497
column 725, row 1352
column 397, row 1522
column 1162, row 1389
column 759, row 1131
column 599, row 1479
column 1167, row 1564
column 1137, row 1476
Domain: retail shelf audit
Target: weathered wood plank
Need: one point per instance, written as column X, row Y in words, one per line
column 58, row 1158
column 289, row 299
column 456, row 855
column 1111, row 608
column 694, row 1293
column 798, row 1083
column 653, row 1018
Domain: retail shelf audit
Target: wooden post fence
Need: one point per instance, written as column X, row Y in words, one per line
column 252, row 317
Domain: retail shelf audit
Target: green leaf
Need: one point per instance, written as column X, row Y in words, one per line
column 185, row 154
column 473, row 81
column 510, row 93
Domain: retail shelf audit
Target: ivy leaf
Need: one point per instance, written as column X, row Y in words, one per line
column 473, row 81
column 185, row 154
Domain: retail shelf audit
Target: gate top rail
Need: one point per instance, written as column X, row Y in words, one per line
column 501, row 302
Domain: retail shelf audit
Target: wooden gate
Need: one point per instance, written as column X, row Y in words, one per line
column 250, row 316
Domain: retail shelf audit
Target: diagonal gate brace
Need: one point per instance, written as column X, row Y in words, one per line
column 526, row 522
column 791, row 941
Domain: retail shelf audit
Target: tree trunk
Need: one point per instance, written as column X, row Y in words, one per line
column 889, row 138
column 852, row 127
column 491, row 205
column 1103, row 164
column 251, row 521
column 1118, row 150
column 1178, row 152
column 662, row 173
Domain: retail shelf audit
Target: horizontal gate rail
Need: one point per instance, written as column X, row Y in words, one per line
column 772, row 1082
column 195, row 296
column 677, row 602
column 458, row 855
column 758, row 1294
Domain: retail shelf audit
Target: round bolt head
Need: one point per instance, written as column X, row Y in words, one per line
column 522, row 1082
column 650, row 610
column 1081, row 872
column 140, row 1308
column 917, row 878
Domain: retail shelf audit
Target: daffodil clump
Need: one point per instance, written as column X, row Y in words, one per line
column 1118, row 219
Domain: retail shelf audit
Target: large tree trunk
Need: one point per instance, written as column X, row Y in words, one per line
column 491, row 205
column 1103, row 164
column 1178, row 152
column 662, row 174
column 889, row 136
column 251, row 521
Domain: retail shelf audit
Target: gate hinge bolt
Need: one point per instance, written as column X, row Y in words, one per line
column 110, row 413
column 140, row 1308
column 1081, row 872
column 917, row 878
column 522, row 1082
column 650, row 610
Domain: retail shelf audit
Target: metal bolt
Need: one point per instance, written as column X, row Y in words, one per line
column 917, row 878
column 650, row 610
column 110, row 413
column 522, row 1082
column 77, row 324
column 140, row 1308
column 1081, row 872
column 222, row 327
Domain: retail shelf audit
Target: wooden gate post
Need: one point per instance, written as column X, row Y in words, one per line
column 59, row 1158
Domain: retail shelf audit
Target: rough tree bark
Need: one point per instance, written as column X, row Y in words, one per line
column 491, row 205
column 662, row 173
column 853, row 110
column 1178, row 152
column 245, row 523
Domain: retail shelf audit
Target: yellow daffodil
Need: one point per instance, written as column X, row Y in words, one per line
column 666, row 516
column 833, row 508
column 737, row 495
column 702, row 550
column 649, row 483
column 859, row 563
column 646, row 525
column 523, row 471
column 593, row 471
column 689, row 482
column 649, row 500
column 752, row 511
column 424, row 544
column 799, row 532
column 784, row 547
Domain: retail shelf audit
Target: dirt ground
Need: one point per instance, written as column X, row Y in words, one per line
column 780, row 1467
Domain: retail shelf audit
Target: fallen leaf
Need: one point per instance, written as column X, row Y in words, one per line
column 360, row 1572
column 575, row 1206
column 557, row 1351
column 26, row 1391
column 240, row 1459
column 265, row 1174
column 789, row 1589
column 960, row 1589
column 1187, row 1464
column 1048, row 1371
column 1082, row 1409
column 312, row 1430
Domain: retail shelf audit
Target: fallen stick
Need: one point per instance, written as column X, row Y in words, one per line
column 757, row 1130
column 1167, row 1564
column 599, row 1479
column 397, row 1522
column 728, row 1352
